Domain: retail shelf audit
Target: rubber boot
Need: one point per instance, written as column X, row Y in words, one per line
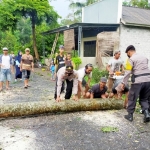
column 129, row 117
column 146, row 116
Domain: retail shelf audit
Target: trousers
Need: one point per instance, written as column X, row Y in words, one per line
column 69, row 86
column 141, row 90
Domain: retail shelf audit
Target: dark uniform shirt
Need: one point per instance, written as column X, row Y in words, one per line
column 96, row 90
column 60, row 61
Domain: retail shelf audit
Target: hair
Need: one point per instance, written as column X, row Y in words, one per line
column 130, row 48
column 88, row 65
column 68, row 53
column 116, row 52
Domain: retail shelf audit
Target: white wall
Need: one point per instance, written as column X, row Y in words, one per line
column 137, row 36
column 105, row 11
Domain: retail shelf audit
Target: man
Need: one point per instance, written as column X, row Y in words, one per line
column 98, row 90
column 60, row 59
column 117, row 91
column 26, row 66
column 86, row 71
column 114, row 65
column 140, row 86
column 70, row 76
column 6, row 68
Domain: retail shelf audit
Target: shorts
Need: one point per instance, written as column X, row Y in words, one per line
column 126, row 89
column 5, row 75
column 26, row 74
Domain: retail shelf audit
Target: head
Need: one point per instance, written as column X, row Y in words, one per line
column 103, row 82
column 68, row 56
column 117, row 54
column 69, row 70
column 19, row 53
column 88, row 68
column 130, row 50
column 61, row 49
column 27, row 51
column 5, row 50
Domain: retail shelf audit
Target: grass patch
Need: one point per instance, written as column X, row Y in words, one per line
column 109, row 129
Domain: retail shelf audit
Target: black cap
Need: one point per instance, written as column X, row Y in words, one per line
column 130, row 47
column 69, row 67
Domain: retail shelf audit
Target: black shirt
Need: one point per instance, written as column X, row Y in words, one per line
column 60, row 61
column 96, row 90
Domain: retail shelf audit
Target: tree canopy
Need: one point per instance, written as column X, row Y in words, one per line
column 37, row 11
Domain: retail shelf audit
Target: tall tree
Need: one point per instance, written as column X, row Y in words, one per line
column 37, row 10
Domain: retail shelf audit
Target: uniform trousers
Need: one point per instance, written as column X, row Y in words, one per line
column 141, row 90
column 69, row 86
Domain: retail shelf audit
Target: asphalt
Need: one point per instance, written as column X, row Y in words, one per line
column 89, row 130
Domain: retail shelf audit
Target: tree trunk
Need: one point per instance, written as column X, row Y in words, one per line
column 24, row 109
column 34, row 38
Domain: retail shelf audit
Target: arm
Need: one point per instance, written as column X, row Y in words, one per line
column 56, row 64
column 75, row 88
column 91, row 96
column 11, row 65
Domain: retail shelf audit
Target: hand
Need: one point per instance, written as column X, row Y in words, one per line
column 58, row 99
column 83, row 94
column 21, row 69
column 122, row 86
column 75, row 97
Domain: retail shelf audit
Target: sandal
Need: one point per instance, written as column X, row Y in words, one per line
column 25, row 87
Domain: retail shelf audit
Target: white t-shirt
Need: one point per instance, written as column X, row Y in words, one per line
column 5, row 62
column 115, row 64
column 81, row 74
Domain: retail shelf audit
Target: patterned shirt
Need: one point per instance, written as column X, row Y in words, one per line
column 26, row 61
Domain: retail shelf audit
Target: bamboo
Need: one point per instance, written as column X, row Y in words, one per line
column 31, row 108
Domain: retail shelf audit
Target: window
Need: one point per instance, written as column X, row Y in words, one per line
column 89, row 48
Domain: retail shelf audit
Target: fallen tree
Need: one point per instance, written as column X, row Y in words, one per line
column 24, row 109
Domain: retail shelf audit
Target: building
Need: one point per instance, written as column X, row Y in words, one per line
column 109, row 19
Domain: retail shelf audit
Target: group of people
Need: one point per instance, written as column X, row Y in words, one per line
column 71, row 81
column 22, row 65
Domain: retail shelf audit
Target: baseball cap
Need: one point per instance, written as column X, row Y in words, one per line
column 27, row 49
column 69, row 68
column 5, row 49
column 130, row 47
column 61, row 47
column 103, row 79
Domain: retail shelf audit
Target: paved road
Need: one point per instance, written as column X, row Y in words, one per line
column 67, row 131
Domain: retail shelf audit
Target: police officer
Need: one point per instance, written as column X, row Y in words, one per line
column 140, row 86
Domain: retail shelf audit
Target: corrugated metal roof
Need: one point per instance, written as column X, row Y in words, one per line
column 85, row 26
column 134, row 15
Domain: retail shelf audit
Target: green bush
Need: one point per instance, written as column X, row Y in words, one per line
column 77, row 61
column 97, row 74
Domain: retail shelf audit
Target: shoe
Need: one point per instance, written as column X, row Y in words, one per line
column 146, row 116
column 25, row 87
column 141, row 111
column 129, row 117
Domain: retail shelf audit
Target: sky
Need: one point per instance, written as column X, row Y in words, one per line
column 62, row 7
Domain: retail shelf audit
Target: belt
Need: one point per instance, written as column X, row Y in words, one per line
column 144, row 74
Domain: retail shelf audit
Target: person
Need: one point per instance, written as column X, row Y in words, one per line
column 82, row 72
column 114, row 65
column 70, row 76
column 26, row 66
column 117, row 91
column 13, row 59
column 140, row 86
column 68, row 60
column 52, row 70
column 17, row 62
column 98, row 90
column 60, row 59
column 6, row 68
